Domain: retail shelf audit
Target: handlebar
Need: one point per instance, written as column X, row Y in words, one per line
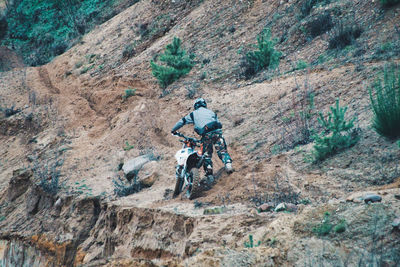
column 179, row 134
column 190, row 139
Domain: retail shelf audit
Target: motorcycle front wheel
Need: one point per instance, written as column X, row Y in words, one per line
column 178, row 186
column 194, row 190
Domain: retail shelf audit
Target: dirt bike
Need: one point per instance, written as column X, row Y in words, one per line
column 187, row 170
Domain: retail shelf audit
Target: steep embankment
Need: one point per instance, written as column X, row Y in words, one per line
column 74, row 118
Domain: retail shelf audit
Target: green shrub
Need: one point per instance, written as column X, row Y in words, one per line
column 305, row 201
column 385, row 48
column 47, row 174
column 78, row 64
column 338, row 134
column 388, row 3
column 127, row 146
column 251, row 244
column 176, row 64
column 272, row 242
column 301, row 65
column 216, row 210
column 307, row 6
column 340, row 227
column 8, row 112
column 320, row 24
column 386, row 103
column 86, row 69
column 344, row 34
column 265, row 57
column 123, row 188
column 129, row 51
column 128, row 93
column 325, row 227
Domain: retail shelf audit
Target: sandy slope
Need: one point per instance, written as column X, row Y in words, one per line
column 84, row 114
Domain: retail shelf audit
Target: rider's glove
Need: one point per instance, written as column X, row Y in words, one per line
column 173, row 132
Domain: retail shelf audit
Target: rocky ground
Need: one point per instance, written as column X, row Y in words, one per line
column 72, row 121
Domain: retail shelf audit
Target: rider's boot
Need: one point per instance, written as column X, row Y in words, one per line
column 228, row 167
column 209, row 174
column 210, row 179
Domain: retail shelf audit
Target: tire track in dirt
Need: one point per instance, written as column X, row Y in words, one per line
column 45, row 79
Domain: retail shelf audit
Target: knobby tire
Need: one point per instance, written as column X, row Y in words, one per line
column 195, row 190
column 178, row 186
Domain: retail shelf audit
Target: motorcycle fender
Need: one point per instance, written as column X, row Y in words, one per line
column 192, row 161
column 182, row 155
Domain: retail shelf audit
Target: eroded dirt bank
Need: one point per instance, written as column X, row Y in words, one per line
column 72, row 231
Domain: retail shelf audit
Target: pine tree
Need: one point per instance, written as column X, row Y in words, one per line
column 265, row 57
column 386, row 103
column 176, row 64
column 338, row 133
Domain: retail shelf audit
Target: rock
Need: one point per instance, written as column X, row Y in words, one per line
column 133, row 166
column 37, row 200
column 266, row 207
column 358, row 197
column 280, row 207
column 65, row 237
column 31, row 202
column 149, row 174
column 149, row 181
column 372, row 198
column 58, row 203
column 291, row 207
column 397, row 196
column 19, row 183
column 396, row 223
column 253, row 212
column 355, row 197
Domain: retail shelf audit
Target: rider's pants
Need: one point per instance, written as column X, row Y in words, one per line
column 210, row 140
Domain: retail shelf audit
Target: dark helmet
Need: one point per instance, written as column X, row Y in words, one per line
column 200, row 102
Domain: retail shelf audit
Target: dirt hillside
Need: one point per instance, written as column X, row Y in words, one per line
column 73, row 120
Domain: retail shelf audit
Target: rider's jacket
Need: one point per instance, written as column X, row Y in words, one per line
column 204, row 121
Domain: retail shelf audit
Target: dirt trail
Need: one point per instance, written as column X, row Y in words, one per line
column 45, row 79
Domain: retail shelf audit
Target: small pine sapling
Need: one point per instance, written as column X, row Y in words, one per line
column 265, row 57
column 251, row 244
column 176, row 64
column 128, row 146
column 325, row 227
column 340, row 227
column 338, row 133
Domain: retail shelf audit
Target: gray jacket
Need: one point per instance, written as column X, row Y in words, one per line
column 201, row 118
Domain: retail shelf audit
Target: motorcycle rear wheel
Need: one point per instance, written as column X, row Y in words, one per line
column 194, row 190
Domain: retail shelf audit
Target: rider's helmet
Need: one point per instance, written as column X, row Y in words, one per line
column 199, row 102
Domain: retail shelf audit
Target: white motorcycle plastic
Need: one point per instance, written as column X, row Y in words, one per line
column 187, row 171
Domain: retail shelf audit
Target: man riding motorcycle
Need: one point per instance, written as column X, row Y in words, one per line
column 207, row 125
